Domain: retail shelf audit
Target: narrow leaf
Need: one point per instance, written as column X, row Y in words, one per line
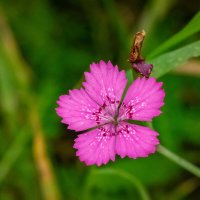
column 191, row 28
column 169, row 61
column 120, row 173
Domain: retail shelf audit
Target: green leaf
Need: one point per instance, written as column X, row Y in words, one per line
column 111, row 183
column 169, row 61
column 191, row 28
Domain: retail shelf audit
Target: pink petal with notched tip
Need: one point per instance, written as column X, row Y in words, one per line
column 135, row 141
column 143, row 100
column 105, row 83
column 77, row 110
column 96, row 146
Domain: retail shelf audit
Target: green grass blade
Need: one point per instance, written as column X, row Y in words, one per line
column 13, row 153
column 191, row 28
column 169, row 61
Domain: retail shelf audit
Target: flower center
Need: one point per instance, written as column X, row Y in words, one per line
column 115, row 119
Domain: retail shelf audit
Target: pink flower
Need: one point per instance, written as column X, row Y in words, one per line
column 100, row 107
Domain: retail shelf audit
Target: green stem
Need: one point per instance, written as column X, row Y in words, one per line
column 178, row 160
column 129, row 177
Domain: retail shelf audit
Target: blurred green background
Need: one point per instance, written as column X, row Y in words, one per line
column 45, row 46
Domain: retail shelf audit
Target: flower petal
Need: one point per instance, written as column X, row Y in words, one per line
column 96, row 146
column 143, row 100
column 105, row 84
column 79, row 111
column 135, row 141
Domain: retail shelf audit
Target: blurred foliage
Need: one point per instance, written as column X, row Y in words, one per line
column 45, row 46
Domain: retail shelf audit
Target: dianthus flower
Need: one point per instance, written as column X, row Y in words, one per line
column 100, row 107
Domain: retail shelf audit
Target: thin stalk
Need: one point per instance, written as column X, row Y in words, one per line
column 48, row 182
column 179, row 160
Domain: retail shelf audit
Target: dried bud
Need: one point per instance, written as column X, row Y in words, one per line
column 143, row 68
column 136, row 48
column 137, row 61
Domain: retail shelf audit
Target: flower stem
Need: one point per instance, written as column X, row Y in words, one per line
column 178, row 160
